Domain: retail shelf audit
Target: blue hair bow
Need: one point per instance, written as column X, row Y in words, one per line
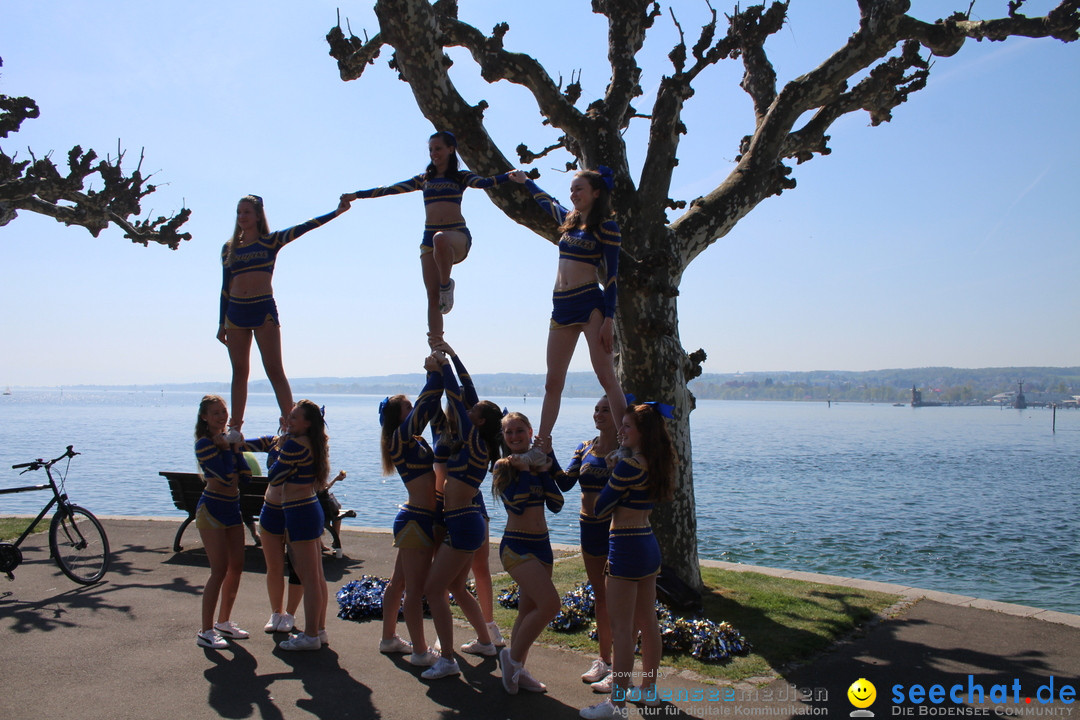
column 667, row 411
column 382, row 409
column 607, row 175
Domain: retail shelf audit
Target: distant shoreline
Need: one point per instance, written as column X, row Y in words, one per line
column 944, row 385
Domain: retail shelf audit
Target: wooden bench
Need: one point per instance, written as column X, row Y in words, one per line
column 187, row 487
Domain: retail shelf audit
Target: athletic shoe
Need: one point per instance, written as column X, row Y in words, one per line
column 300, row 641
column 234, row 436
column 446, row 298
column 231, row 630
column 647, row 697
column 443, row 667
column 324, row 638
column 286, row 623
column 394, row 645
column 536, row 457
column 527, row 682
column 509, row 671
column 272, row 623
column 602, row 686
column 424, row 659
column 478, row 648
column 210, row 639
column 596, row 672
column 602, row 711
column 496, row 636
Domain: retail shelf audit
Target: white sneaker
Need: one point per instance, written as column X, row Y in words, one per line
column 234, row 436
column 272, row 623
column 446, row 298
column 210, row 639
column 602, row 686
column 230, row 629
column 509, row 671
column 602, row 711
column 596, row 672
column 527, row 682
column 443, row 667
column 478, row 648
column 324, row 638
column 394, row 645
column 424, row 659
column 496, row 636
column 300, row 641
column 286, row 622
column 536, row 458
column 648, row 697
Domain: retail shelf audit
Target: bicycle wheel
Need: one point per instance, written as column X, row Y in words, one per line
column 79, row 544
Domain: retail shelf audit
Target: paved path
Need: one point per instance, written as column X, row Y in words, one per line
column 125, row 649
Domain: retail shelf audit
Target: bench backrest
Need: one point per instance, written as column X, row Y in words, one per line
column 187, row 487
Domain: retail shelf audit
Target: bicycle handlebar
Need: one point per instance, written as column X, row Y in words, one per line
column 35, row 464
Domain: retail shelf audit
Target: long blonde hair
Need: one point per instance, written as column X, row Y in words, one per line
column 504, row 474
column 262, row 225
column 202, row 428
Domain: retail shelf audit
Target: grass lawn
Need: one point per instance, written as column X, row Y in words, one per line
column 785, row 620
column 11, row 527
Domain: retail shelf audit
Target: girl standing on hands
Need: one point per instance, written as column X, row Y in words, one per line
column 302, row 468
column 479, row 428
column 219, row 521
column 446, row 240
column 636, row 484
column 247, row 301
column 525, row 550
column 588, row 248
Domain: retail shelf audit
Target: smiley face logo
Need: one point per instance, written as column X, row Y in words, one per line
column 862, row 693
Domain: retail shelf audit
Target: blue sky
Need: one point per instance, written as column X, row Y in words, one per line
column 946, row 237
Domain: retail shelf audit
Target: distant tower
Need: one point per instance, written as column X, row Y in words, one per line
column 916, row 397
column 1020, row 403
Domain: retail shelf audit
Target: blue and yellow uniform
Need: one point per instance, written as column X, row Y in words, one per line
column 259, row 256
column 438, row 189
column 633, row 552
column 467, row 463
column 591, row 472
column 413, row 457
column 304, row 519
column 215, row 510
column 574, row 306
column 528, row 490
column 272, row 515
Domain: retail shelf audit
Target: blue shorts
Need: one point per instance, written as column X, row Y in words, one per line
column 413, row 528
column 304, row 519
column 217, row 512
column 465, row 528
column 272, row 518
column 250, row 313
column 519, row 547
column 427, row 244
column 594, row 535
column 576, row 305
column 633, row 553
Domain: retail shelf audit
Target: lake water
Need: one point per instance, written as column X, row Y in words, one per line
column 973, row 500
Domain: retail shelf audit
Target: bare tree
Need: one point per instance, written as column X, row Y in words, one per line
column 37, row 185
column 878, row 68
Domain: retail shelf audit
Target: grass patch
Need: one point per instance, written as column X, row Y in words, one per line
column 12, row 527
column 786, row 621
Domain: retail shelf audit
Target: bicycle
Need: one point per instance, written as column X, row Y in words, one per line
column 76, row 539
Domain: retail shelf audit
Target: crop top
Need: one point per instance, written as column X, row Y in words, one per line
column 587, row 468
column 409, row 451
column 261, row 255
column 225, row 466
column 295, row 464
column 469, row 462
column 627, row 487
column 438, row 189
column 532, row 490
column 582, row 245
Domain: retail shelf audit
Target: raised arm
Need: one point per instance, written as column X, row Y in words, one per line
column 405, row 186
column 610, row 242
column 279, row 238
column 473, row 180
column 426, row 406
column 468, row 390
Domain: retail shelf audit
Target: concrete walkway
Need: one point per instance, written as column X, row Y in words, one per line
column 125, row 648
